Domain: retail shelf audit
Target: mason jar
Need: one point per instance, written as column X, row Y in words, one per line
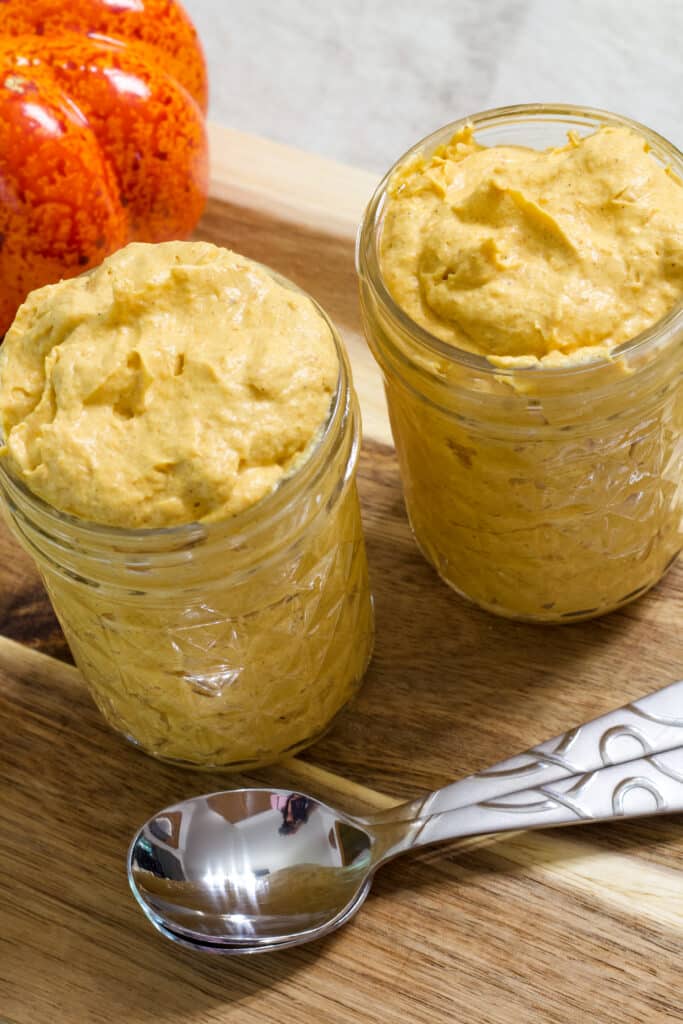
column 541, row 493
column 227, row 644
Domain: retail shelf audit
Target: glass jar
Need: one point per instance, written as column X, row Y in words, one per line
column 545, row 494
column 227, row 644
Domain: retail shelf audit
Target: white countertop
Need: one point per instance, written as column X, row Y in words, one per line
column 361, row 80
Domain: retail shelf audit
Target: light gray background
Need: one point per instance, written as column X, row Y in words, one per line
column 361, row 80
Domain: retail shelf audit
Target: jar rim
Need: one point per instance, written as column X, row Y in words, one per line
column 367, row 255
column 275, row 502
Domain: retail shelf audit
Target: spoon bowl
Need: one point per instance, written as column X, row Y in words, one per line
column 247, row 870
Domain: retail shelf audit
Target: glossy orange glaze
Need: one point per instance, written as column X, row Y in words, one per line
column 159, row 23
column 59, row 208
column 101, row 140
column 151, row 131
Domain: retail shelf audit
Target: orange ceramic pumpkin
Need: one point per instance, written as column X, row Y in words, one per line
column 102, row 136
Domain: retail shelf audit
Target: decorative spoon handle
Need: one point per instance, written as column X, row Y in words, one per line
column 650, row 725
column 646, row 786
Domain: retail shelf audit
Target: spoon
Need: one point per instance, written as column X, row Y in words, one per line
column 251, row 870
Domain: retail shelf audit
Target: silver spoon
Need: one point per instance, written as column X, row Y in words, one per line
column 251, row 870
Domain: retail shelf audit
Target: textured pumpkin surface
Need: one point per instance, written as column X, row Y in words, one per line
column 162, row 24
column 99, row 143
column 59, row 205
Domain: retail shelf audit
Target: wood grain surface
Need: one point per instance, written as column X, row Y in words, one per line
column 582, row 925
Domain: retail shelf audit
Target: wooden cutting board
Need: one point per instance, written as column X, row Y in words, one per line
column 583, row 925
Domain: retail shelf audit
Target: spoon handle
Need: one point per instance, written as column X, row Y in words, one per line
column 646, row 786
column 650, row 725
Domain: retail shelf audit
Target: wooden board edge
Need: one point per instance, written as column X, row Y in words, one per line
column 287, row 183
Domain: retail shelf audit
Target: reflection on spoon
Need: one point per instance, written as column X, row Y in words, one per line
column 232, row 856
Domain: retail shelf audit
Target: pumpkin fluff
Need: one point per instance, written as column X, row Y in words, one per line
column 527, row 256
column 174, row 383
column 102, row 137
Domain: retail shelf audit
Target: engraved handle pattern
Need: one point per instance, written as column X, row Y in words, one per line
column 645, row 786
column 650, row 725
